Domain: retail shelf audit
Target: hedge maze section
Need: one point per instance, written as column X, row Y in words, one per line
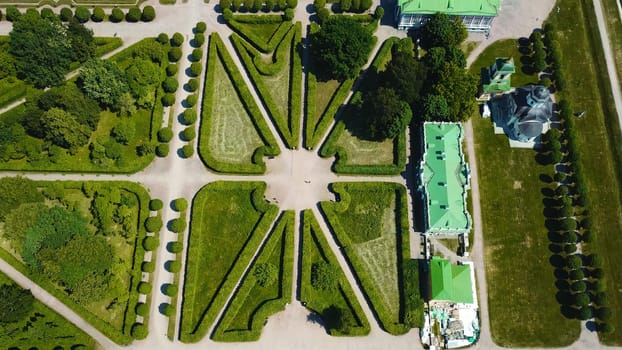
column 338, row 295
column 355, row 152
column 277, row 78
column 375, row 243
column 265, row 289
column 229, row 221
column 41, row 328
column 234, row 137
column 115, row 212
column 264, row 35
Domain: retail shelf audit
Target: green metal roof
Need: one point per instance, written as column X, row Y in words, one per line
column 497, row 76
column 444, row 175
column 451, row 282
column 451, row 7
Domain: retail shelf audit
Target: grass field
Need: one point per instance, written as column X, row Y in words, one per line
column 227, row 227
column 599, row 135
column 364, row 152
column 42, row 329
column 315, row 249
column 233, row 137
column 253, row 303
column 372, row 242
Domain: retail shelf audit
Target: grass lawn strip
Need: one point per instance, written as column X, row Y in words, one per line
column 229, row 220
column 315, row 249
column 373, row 242
column 43, row 328
column 599, row 139
column 355, row 155
column 274, row 81
column 253, row 304
column 113, row 321
column 233, row 136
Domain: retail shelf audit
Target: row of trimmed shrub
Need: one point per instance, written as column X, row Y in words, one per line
column 217, row 51
column 178, row 226
column 83, row 14
column 345, row 5
column 256, row 5
column 269, row 307
column 280, row 120
column 310, row 224
column 191, row 333
column 266, row 47
column 330, row 210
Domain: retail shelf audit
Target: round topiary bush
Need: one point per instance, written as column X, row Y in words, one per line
column 98, row 14
column 144, row 287
column 318, row 4
column 177, row 39
column 167, row 309
column 189, row 133
column 156, row 204
column 148, row 14
column 173, row 266
column 65, row 14
column 82, row 14
column 292, row 4
column 151, row 243
column 168, row 100
column 171, row 69
column 133, row 15
column 200, row 27
column 147, row 266
column 163, row 38
column 162, row 150
column 199, row 39
column 174, row 54
column 187, row 151
column 116, row 15
column 192, row 100
column 180, row 204
column 379, row 12
column 178, row 225
column 46, row 12
column 288, row 15
column 170, row 290
column 165, row 134
column 225, row 5
column 170, row 85
column 141, row 309
column 323, row 14
column 189, row 116
column 227, row 15
column 139, row 331
column 195, row 69
column 193, row 85
column 175, row 247
column 153, row 223
column 197, row 54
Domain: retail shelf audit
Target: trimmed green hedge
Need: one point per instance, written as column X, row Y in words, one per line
column 287, row 125
column 270, row 148
column 256, row 40
column 316, row 301
column 331, row 210
column 258, row 18
column 190, row 332
column 124, row 336
column 280, row 242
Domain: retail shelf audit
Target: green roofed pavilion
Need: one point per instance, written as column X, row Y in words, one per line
column 477, row 15
column 450, row 282
column 444, row 179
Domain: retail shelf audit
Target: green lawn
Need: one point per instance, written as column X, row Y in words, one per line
column 253, row 303
column 373, row 242
column 505, row 48
column 315, row 249
column 42, row 329
column 598, row 133
column 229, row 219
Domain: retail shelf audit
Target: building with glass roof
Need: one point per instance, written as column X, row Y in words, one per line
column 444, row 180
column 477, row 15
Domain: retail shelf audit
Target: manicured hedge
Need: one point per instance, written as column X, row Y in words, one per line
column 270, row 148
column 258, row 18
column 192, row 333
column 287, row 125
column 124, row 336
column 330, row 210
column 258, row 41
column 281, row 239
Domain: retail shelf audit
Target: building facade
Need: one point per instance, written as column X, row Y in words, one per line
column 477, row 15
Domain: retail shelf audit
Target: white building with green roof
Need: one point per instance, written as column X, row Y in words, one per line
column 477, row 15
column 444, row 180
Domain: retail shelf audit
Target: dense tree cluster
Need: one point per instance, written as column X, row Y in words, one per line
column 340, row 48
column 44, row 47
column 15, row 303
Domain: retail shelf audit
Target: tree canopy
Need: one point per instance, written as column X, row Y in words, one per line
column 15, row 303
column 340, row 48
column 406, row 75
column 442, row 31
column 103, row 81
column 15, row 191
column 388, row 113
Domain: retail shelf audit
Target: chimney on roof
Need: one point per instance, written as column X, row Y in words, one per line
column 450, row 5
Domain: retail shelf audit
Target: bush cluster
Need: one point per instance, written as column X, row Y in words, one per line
column 256, row 5
column 179, row 204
